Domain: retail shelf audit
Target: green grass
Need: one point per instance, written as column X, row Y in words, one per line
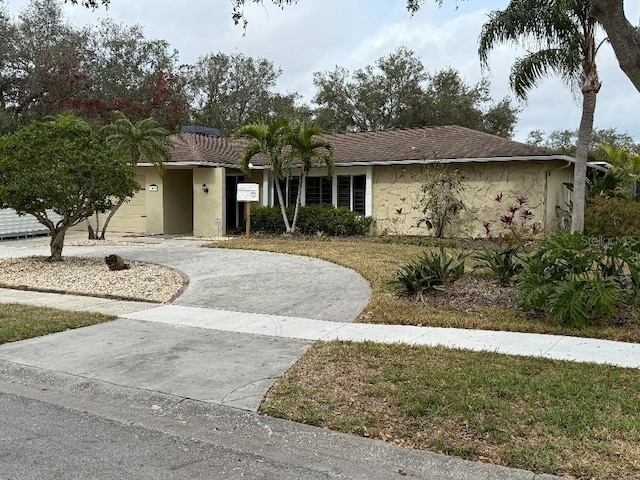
column 541, row 415
column 18, row 322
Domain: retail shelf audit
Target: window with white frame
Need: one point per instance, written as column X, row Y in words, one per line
column 318, row 191
column 352, row 192
column 342, row 190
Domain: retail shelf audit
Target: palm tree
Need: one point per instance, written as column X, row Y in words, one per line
column 270, row 140
column 311, row 153
column 564, row 39
column 141, row 140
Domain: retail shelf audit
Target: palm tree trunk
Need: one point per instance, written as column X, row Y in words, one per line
column 582, row 150
column 298, row 200
column 283, row 208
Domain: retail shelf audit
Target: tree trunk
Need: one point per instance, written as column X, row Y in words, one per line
column 56, row 244
column 623, row 36
column 582, row 150
column 112, row 212
column 298, row 200
column 283, row 208
column 90, row 231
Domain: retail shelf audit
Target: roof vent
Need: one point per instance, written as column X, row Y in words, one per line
column 207, row 131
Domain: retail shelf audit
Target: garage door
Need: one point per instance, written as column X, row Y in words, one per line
column 13, row 225
column 132, row 216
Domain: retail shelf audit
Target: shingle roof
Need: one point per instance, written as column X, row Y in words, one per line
column 380, row 147
column 194, row 148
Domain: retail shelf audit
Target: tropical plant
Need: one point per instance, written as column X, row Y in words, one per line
column 502, row 263
column 518, row 220
column 432, row 271
column 144, row 140
column 576, row 279
column 564, row 34
column 611, row 184
column 64, row 167
column 311, row 152
column 270, row 140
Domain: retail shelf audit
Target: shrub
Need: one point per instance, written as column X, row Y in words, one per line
column 332, row 221
column 612, row 217
column 517, row 221
column 312, row 219
column 430, row 272
column 268, row 220
column 503, row 263
column 440, row 203
column 576, row 279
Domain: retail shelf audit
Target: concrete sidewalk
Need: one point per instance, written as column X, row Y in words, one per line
column 555, row 347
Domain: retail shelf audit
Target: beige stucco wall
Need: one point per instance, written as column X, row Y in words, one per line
column 209, row 209
column 155, row 208
column 397, row 194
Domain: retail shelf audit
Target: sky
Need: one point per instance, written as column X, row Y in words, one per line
column 318, row 35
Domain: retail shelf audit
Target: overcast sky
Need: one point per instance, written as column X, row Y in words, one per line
column 318, row 35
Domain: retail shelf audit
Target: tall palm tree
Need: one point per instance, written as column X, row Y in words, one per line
column 141, row 140
column 270, row 140
column 562, row 38
column 311, row 153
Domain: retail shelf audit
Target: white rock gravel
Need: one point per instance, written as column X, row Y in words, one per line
column 91, row 276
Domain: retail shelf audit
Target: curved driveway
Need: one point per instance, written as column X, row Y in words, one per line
column 261, row 282
column 237, row 280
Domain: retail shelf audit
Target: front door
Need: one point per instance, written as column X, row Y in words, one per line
column 235, row 210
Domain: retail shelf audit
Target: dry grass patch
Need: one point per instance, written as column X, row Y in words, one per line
column 542, row 415
column 18, row 322
column 472, row 302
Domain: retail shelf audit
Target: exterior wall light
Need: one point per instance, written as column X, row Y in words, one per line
column 205, row 188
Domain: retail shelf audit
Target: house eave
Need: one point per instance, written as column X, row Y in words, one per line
column 385, row 163
column 427, row 161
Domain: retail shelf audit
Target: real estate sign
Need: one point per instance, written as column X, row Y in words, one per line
column 248, row 192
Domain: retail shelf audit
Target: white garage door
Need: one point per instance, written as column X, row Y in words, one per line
column 13, row 225
column 132, row 216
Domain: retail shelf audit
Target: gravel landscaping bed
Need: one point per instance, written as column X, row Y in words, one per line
column 91, row 276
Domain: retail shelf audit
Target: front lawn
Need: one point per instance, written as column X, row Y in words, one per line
column 546, row 416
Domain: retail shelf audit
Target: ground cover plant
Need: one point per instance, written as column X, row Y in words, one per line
column 576, row 419
column 19, row 322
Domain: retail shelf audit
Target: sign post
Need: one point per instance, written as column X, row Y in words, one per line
column 248, row 192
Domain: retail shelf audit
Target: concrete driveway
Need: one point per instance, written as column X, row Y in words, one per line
column 226, row 368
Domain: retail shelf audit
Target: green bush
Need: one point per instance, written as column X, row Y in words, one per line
column 312, row 219
column 268, row 220
column 430, row 272
column 576, row 279
column 502, row 263
column 612, row 217
column 333, row 221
